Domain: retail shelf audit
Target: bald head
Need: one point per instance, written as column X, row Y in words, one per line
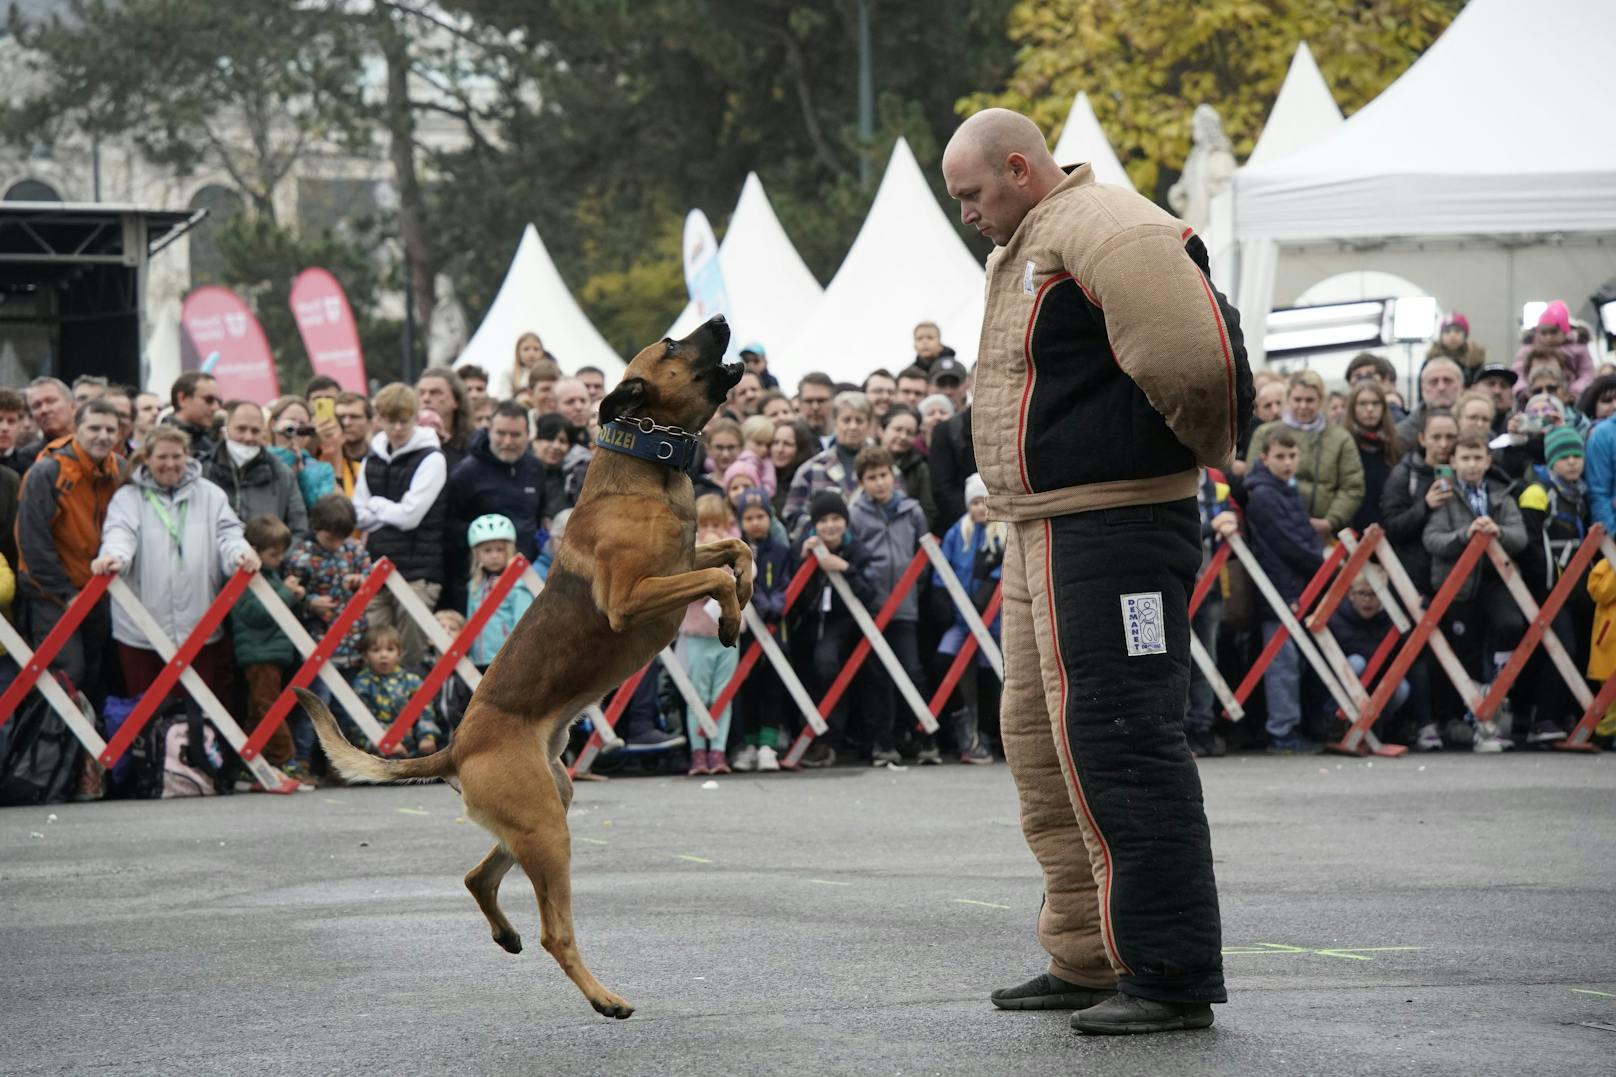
column 997, row 166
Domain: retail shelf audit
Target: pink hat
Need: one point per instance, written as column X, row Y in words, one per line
column 1556, row 314
column 745, row 468
column 1459, row 320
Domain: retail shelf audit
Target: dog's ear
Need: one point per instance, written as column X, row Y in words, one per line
column 623, row 400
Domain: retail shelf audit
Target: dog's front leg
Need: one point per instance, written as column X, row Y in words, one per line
column 737, row 555
column 631, row 601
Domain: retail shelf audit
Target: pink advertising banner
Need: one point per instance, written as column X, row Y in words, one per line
column 327, row 324
column 217, row 320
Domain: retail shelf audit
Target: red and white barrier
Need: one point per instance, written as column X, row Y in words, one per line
column 962, row 602
column 1207, row 663
column 34, row 664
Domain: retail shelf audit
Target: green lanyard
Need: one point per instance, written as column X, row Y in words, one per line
column 176, row 531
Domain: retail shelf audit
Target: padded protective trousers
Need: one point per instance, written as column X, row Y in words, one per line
column 1096, row 652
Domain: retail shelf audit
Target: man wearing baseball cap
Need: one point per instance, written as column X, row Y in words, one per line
column 757, row 362
column 948, row 377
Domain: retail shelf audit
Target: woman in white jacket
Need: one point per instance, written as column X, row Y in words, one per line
column 173, row 535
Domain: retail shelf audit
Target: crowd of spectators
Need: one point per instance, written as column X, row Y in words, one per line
column 449, row 482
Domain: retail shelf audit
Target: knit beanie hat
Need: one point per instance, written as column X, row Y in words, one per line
column 1560, row 443
column 742, row 467
column 1457, row 319
column 753, row 498
column 975, row 488
column 826, row 503
column 1556, row 314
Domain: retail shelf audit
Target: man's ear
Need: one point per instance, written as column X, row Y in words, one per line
column 623, row 400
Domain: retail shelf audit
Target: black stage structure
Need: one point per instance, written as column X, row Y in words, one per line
column 72, row 287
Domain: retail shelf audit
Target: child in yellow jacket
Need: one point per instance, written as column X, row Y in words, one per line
column 1602, row 654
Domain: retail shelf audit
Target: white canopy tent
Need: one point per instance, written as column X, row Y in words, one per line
column 770, row 290
column 163, row 350
column 907, row 265
column 1082, row 139
column 1304, row 113
column 534, row 298
column 1485, row 173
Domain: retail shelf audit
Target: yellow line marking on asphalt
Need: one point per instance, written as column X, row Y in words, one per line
column 328, row 800
column 592, row 841
column 692, row 859
column 829, row 882
column 984, row 904
column 412, row 811
column 1585, row 991
column 1346, row 953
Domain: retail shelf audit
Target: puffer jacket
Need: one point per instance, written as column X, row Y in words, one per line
column 257, row 638
column 1282, row 539
column 61, row 512
column 264, row 487
column 1403, row 513
column 315, row 478
column 1109, row 367
column 890, row 533
column 1445, row 535
column 483, row 484
column 176, row 589
column 1329, row 473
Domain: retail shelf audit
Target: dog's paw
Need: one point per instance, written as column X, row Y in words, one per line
column 509, row 941
column 610, row 1005
column 743, row 589
column 729, row 630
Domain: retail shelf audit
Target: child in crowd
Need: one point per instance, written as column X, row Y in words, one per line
column 1484, row 624
column 331, row 566
column 263, row 651
column 492, row 539
column 721, row 439
column 762, row 698
column 756, row 434
column 1360, row 626
column 454, row 693
column 823, row 618
column 888, row 525
column 1554, row 509
column 710, row 663
column 1289, row 552
column 1602, row 652
column 738, row 478
column 1218, row 522
column 384, row 687
column 714, row 514
column 552, row 543
column 974, row 549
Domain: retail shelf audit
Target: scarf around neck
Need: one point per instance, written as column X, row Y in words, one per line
column 1307, row 428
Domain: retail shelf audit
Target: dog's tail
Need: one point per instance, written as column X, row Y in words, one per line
column 360, row 766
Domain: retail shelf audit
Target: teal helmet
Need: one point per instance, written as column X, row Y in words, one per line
column 490, row 528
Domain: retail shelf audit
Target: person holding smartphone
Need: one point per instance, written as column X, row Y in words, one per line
column 291, row 430
column 1421, row 483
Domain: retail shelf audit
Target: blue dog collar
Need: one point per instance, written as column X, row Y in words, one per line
column 642, row 438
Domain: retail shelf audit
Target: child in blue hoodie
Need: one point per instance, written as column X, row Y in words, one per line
column 974, row 549
column 492, row 540
column 1289, row 552
column 762, row 698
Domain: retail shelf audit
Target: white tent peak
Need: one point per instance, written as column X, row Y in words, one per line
column 906, row 265
column 770, row 290
column 534, row 299
column 1304, row 111
column 1082, row 139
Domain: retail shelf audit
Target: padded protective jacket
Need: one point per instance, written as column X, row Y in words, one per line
column 1109, row 367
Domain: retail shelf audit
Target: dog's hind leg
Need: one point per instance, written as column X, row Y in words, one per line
column 545, row 855
column 483, row 882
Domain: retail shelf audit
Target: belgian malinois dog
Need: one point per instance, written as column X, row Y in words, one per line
column 627, row 568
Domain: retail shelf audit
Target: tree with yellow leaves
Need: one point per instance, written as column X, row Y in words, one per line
column 1146, row 64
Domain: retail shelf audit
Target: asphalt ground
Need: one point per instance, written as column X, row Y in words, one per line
column 1446, row 914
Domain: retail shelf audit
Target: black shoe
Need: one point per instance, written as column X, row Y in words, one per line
column 1205, row 744
column 1122, row 1015
column 651, row 740
column 818, row 754
column 1047, row 992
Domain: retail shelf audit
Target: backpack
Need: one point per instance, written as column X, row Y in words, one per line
column 177, row 755
column 39, row 755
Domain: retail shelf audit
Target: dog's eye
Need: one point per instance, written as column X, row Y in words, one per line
column 673, row 347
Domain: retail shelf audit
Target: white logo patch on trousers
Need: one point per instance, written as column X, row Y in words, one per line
column 1142, row 624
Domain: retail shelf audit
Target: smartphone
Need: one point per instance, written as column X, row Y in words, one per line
column 1444, row 475
column 325, row 409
